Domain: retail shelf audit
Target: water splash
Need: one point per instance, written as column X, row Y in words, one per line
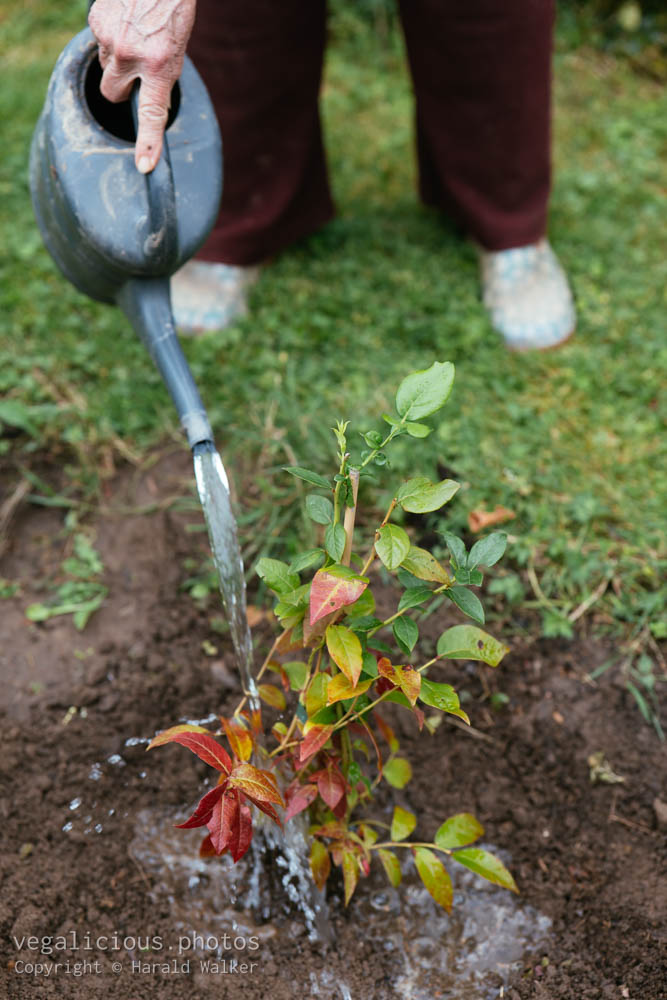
column 213, row 488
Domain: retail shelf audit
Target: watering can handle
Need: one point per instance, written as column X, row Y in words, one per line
column 162, row 241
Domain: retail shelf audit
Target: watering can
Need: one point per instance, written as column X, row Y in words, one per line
column 116, row 234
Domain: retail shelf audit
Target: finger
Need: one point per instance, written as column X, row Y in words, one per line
column 116, row 83
column 154, row 99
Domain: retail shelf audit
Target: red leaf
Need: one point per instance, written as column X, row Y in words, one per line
column 204, row 810
column 330, row 592
column 223, row 820
column 167, row 735
column 331, row 786
column 241, row 835
column 268, row 810
column 201, row 744
column 299, row 798
column 315, row 739
column 206, row 848
column 341, row 808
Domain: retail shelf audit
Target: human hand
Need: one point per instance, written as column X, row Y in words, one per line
column 143, row 39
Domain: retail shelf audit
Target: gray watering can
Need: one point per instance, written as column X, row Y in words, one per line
column 116, row 234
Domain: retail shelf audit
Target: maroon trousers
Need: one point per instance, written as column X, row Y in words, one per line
column 481, row 71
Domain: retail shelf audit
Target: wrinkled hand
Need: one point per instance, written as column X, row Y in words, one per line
column 143, row 39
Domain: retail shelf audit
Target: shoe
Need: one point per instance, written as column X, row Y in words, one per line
column 527, row 296
column 208, row 296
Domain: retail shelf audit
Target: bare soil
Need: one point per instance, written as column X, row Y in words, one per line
column 590, row 856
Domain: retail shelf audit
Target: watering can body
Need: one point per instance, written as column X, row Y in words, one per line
column 91, row 203
column 116, row 234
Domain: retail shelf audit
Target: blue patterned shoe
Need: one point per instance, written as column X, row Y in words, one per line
column 208, row 296
column 527, row 296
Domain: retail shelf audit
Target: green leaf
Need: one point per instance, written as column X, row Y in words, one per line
column 466, row 642
column 417, row 430
column 391, row 866
column 458, row 830
column 392, row 546
column 310, row 477
column 17, row 415
column 272, row 695
column 319, row 509
column 369, row 665
column 276, row 575
column 468, row 602
column 424, row 566
column 306, row 559
column 334, row 541
column 487, row 551
column 420, row 495
column 413, row 597
column 316, row 695
column 457, row 549
column 297, row 672
column 435, row 877
column 406, row 633
column 486, row 865
column 345, row 650
column 363, row 606
column 402, row 824
column 424, row 392
column 441, row 696
column 397, row 771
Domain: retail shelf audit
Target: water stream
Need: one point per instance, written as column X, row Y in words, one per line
column 213, row 488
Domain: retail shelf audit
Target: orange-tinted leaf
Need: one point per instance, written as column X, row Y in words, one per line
column 320, row 863
column 435, row 877
column 223, row 820
column 299, row 799
column 350, row 874
column 272, row 695
column 341, row 687
column 386, row 731
column 405, row 677
column 480, row 518
column 239, row 738
column 200, row 742
column 391, row 865
column 332, row 589
column 331, row 786
column 259, row 786
column 314, row 740
column 335, row 831
column 204, row 810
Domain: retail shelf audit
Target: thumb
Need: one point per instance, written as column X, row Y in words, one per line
column 154, row 99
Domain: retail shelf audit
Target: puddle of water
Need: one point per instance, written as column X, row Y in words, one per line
column 467, row 955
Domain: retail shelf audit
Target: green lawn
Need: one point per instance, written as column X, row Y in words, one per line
column 570, row 441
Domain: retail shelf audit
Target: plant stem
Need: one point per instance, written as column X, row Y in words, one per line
column 350, row 514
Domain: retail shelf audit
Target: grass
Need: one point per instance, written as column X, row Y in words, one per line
column 570, row 441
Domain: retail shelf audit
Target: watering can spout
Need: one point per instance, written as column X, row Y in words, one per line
column 147, row 305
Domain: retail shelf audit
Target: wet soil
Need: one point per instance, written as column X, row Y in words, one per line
column 588, row 856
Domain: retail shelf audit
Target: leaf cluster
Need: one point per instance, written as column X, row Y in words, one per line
column 336, row 661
